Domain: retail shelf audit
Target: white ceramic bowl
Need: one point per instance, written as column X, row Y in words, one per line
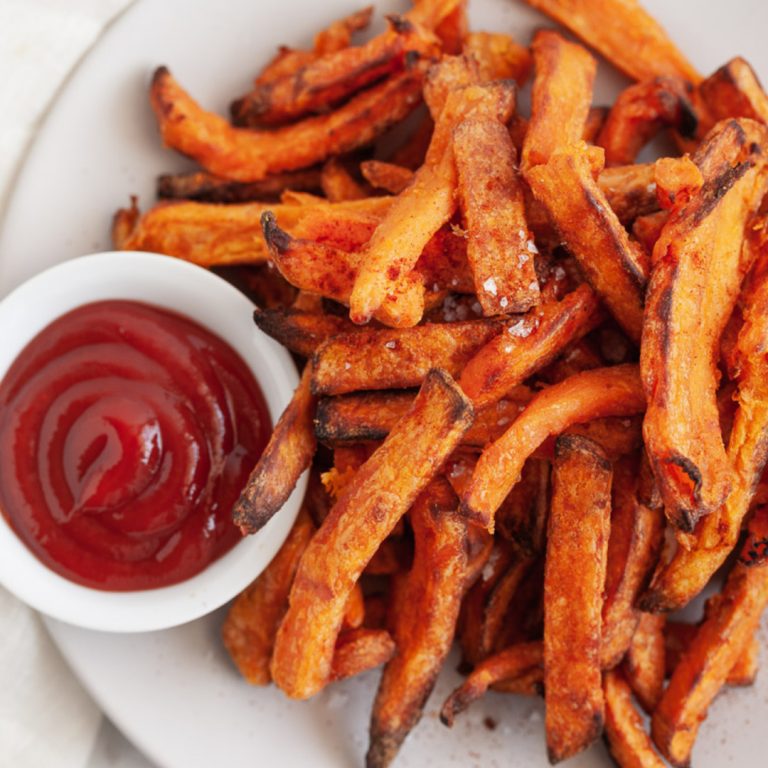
column 212, row 302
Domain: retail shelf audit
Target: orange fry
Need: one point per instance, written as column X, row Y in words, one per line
column 381, row 492
column 246, row 155
column 644, row 666
column 598, row 393
column 623, row 32
column 360, row 649
column 694, row 286
column 387, row 176
column 562, row 95
column 579, row 523
column 499, row 56
column 288, row 453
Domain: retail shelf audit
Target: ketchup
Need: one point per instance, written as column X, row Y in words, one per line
column 126, row 435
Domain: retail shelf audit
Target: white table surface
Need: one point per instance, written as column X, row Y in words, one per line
column 46, row 720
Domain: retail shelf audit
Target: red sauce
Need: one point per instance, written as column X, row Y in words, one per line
column 126, row 434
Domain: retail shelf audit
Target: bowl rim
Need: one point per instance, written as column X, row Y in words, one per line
column 199, row 294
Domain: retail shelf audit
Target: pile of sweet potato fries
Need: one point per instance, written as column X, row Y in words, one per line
column 534, row 401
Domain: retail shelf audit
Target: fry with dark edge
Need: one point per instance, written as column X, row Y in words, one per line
column 629, row 744
column 424, row 619
column 719, row 641
column 500, row 247
column 288, row 453
column 507, row 665
column 562, row 95
column 579, row 523
column 611, row 262
column 381, row 492
column 251, row 624
column 627, row 35
column 614, row 391
column 241, row 154
column 694, row 286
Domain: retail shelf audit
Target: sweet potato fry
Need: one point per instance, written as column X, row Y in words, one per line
column 251, row 624
column 288, row 453
column 509, row 664
column 333, row 77
column 424, row 620
column 678, row 635
column 628, row 742
column 338, row 35
column 692, row 292
column 331, row 272
column 218, row 235
column 623, row 32
column 499, row 56
column 300, row 332
column 562, row 94
column 633, row 549
column 500, row 247
column 369, row 416
column 592, row 232
column 206, row 188
column 387, row 176
column 426, row 204
column 640, row 112
column 579, row 523
column 647, row 229
column 381, row 492
column 614, row 391
column 338, row 184
column 728, row 628
column 644, row 666
column 360, row 649
column 247, row 155
column 397, row 358
column 529, row 344
column 715, row 536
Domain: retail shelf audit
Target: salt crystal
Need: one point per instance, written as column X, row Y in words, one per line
column 503, row 301
column 559, row 272
column 476, row 308
column 457, row 470
column 490, row 286
column 502, row 421
column 531, row 246
column 347, row 366
column 521, row 259
column 391, row 344
column 651, row 188
column 521, row 329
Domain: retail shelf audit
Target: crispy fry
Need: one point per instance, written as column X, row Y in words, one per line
column 426, row 204
column 623, row 32
column 509, row 664
column 693, row 289
column 369, row 416
column 338, row 184
column 718, row 643
column 633, row 549
column 644, row 666
column 331, row 272
column 424, row 620
column 288, row 453
column 299, row 331
column 562, row 94
column 529, row 344
column 690, row 569
column 218, row 235
column 246, row 155
column 251, row 624
column 500, row 247
column 614, row 391
column 387, row 176
column 381, row 492
column 630, row 190
column 499, row 56
column 612, row 263
column 397, row 358
column 360, row 649
column 677, row 179
column 628, row 742
column 330, row 78
column 206, row 188
column 338, row 35
column 640, row 112
column 579, row 523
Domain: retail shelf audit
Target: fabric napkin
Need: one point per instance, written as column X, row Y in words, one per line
column 46, row 719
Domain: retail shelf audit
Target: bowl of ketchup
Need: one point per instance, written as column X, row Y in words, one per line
column 136, row 395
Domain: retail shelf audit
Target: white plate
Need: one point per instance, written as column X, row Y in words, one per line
column 174, row 692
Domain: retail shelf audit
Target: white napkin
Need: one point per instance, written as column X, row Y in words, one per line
column 46, row 719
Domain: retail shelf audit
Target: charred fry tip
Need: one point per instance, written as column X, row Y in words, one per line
column 383, row 749
column 277, row 239
column 159, row 75
column 399, row 23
